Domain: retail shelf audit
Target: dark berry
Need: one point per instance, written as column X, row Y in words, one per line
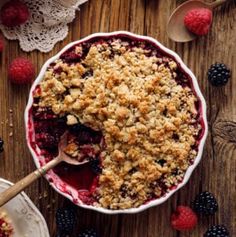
column 85, row 135
column 95, row 165
column 1, row 145
column 58, row 70
column 133, row 170
column 46, row 140
column 88, row 233
column 87, row 74
column 124, row 190
column 217, row 231
column 218, row 74
column 71, row 57
column 175, row 136
column 65, row 220
column 205, row 203
column 76, row 128
column 43, row 113
column 161, row 162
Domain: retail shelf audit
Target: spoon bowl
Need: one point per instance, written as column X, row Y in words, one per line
column 62, row 156
column 176, row 29
column 11, row 192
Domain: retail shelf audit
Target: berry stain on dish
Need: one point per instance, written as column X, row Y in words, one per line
column 129, row 108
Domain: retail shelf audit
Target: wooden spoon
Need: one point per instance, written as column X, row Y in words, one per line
column 176, row 29
column 25, row 182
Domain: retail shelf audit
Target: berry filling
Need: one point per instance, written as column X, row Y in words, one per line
column 84, row 141
column 104, row 134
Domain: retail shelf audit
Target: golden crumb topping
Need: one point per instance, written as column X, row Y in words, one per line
column 148, row 120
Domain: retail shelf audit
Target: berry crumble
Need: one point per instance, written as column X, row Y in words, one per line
column 6, row 229
column 129, row 109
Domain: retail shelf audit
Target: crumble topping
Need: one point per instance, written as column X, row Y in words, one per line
column 148, row 119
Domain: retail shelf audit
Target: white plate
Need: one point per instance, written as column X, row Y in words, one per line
column 27, row 221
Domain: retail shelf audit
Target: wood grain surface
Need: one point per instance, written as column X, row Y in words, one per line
column 216, row 171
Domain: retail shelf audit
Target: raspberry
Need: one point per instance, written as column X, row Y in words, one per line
column 205, row 203
column 14, row 13
column 183, row 218
column 21, row 71
column 217, row 231
column 65, row 220
column 198, row 21
column 218, row 74
column 88, row 233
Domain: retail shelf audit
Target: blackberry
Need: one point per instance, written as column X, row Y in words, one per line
column 88, row 74
column 46, row 140
column 1, row 145
column 95, row 165
column 205, row 203
column 85, row 135
column 75, row 128
column 88, row 233
column 161, row 162
column 218, row 74
column 217, row 231
column 65, row 220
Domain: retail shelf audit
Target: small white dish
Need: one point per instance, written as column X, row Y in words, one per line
column 26, row 219
column 68, row 191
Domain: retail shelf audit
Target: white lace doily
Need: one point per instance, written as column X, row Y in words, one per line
column 47, row 24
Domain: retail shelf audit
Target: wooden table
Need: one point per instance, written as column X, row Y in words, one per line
column 215, row 173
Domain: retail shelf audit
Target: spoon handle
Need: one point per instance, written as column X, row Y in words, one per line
column 11, row 192
column 217, row 3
